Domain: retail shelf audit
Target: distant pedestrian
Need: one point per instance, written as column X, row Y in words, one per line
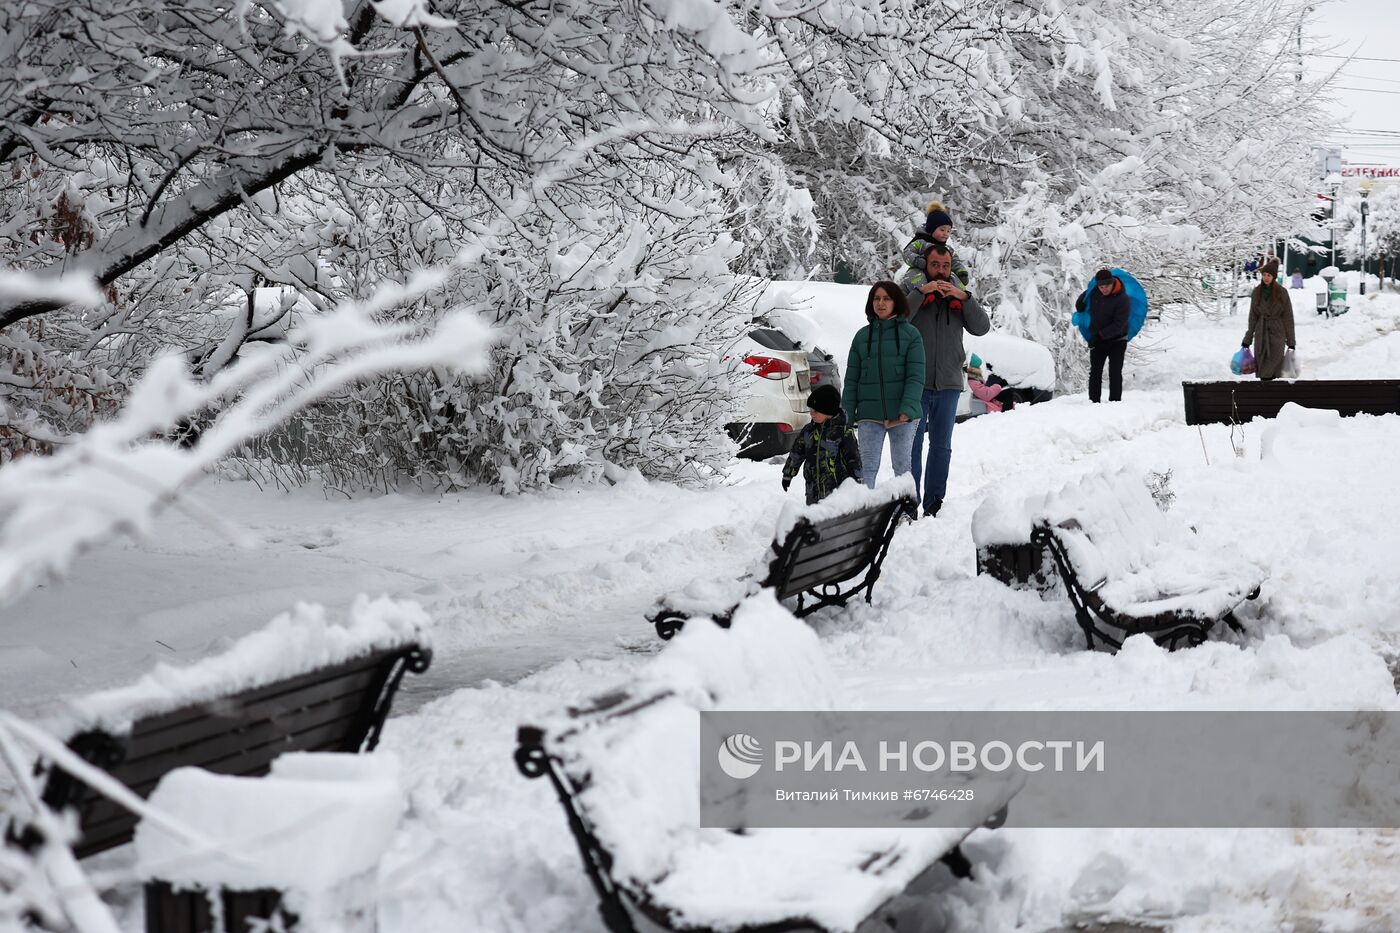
column 937, row 228
column 1296, row 281
column 1107, row 304
column 942, row 310
column 884, row 376
column 1270, row 323
column 825, row 450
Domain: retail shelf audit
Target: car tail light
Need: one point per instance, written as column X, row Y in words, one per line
column 816, row 376
column 768, row 367
column 784, row 428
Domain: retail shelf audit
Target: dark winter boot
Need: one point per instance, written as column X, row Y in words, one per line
column 932, row 511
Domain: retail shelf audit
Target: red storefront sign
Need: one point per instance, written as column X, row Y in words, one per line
column 1370, row 171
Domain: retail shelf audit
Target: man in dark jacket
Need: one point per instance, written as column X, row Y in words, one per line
column 825, row 450
column 1108, row 334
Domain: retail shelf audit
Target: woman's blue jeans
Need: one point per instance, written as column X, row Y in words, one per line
column 871, row 437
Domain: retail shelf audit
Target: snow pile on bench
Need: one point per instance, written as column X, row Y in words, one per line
column 292, row 644
column 709, row 596
column 1296, row 427
column 1135, row 558
column 319, row 819
column 849, row 498
column 633, row 757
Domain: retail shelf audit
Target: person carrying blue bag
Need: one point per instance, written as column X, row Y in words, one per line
column 1270, row 324
column 1108, row 314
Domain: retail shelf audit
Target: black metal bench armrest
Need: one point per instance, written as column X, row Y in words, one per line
column 415, row 659
column 533, row 761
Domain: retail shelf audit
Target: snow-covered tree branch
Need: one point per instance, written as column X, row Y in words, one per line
column 119, row 476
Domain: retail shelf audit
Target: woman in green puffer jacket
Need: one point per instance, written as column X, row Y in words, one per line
column 884, row 381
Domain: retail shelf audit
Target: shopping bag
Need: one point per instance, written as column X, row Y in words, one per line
column 1290, row 364
column 1242, row 363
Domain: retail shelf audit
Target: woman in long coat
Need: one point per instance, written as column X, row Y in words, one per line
column 1270, row 323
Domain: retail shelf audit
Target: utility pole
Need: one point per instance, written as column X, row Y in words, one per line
column 1302, row 17
column 1300, row 47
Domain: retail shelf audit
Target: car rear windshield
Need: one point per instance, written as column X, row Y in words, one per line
column 772, row 339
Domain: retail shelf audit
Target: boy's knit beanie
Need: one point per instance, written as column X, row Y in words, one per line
column 825, row 399
column 938, row 216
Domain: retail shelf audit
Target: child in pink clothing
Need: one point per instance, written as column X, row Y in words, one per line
column 980, row 390
column 986, row 393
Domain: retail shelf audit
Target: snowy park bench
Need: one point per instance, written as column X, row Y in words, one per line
column 625, row 768
column 1238, row 401
column 815, row 550
column 299, row 684
column 1127, row 567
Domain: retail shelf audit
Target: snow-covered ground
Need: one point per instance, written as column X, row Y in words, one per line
column 539, row 601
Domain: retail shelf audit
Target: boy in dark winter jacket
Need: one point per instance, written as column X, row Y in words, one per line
column 826, row 450
column 938, row 226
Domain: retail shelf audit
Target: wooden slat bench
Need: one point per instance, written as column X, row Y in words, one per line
column 624, row 769
column 1017, row 565
column 169, row 910
column 1238, row 401
column 340, row 707
column 827, row 545
column 1127, row 568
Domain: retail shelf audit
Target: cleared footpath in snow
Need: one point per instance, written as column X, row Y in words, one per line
column 513, row 584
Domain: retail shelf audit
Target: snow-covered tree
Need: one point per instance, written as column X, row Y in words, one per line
column 1161, row 139
column 308, row 138
column 612, row 165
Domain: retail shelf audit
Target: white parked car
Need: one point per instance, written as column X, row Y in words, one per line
column 776, row 382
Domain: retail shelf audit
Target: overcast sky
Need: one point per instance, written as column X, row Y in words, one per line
column 1366, row 29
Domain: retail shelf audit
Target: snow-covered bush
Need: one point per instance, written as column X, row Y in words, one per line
column 611, row 354
column 49, row 387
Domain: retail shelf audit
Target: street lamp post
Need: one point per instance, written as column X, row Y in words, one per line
column 1332, row 223
column 1365, row 209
